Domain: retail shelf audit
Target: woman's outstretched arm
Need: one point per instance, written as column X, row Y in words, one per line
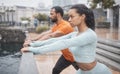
column 81, row 40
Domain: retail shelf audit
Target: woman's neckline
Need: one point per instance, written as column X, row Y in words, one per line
column 78, row 33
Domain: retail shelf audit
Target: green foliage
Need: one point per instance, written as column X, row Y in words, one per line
column 41, row 17
column 104, row 3
column 42, row 28
column 93, row 5
column 65, row 17
column 25, row 18
column 108, row 3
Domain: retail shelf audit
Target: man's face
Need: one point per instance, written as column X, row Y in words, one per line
column 53, row 15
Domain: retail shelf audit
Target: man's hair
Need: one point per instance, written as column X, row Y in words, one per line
column 58, row 9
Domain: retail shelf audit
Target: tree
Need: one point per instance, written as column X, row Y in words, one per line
column 12, row 13
column 25, row 18
column 66, row 17
column 41, row 17
column 7, row 11
column 103, row 3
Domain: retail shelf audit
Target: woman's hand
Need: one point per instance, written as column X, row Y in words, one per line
column 27, row 43
column 25, row 49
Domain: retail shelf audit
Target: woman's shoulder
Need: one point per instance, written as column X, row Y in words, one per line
column 92, row 33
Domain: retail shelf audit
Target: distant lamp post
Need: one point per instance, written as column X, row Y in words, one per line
column 2, row 12
column 7, row 12
column 12, row 14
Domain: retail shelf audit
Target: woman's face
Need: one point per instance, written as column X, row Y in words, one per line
column 75, row 19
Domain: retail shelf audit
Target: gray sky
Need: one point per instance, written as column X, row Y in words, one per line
column 31, row 3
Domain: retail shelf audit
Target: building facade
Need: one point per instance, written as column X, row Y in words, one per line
column 62, row 3
column 13, row 14
column 113, row 15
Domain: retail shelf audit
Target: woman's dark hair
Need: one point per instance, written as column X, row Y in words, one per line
column 58, row 9
column 82, row 9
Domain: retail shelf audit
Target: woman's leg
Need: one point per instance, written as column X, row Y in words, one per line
column 103, row 69
column 61, row 64
column 98, row 69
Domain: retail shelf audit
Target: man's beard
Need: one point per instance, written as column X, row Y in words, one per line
column 54, row 20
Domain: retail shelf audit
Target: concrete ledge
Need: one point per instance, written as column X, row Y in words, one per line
column 28, row 65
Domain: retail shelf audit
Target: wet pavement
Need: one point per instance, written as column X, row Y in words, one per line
column 9, row 58
column 9, row 64
column 110, row 33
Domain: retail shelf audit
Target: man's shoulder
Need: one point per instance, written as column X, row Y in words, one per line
column 66, row 26
column 65, row 23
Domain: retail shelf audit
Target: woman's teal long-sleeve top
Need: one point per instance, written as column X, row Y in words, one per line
column 82, row 46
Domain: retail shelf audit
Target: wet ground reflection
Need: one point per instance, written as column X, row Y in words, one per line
column 110, row 33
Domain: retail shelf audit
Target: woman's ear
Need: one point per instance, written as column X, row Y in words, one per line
column 83, row 16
